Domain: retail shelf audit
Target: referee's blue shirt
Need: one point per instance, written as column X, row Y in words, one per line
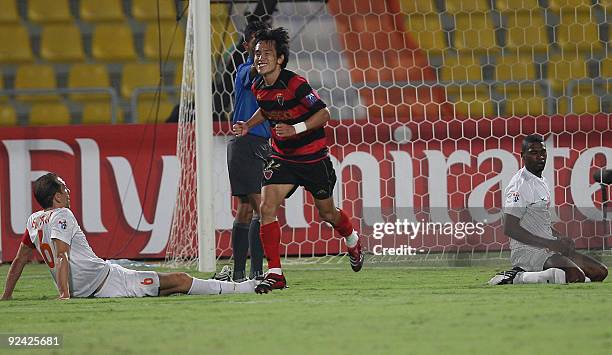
column 245, row 103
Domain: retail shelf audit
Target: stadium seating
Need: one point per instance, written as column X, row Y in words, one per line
column 223, row 31
column 418, row 6
column 467, row 6
column 43, row 11
column 49, row 114
column 563, row 68
column 84, row 75
column 577, row 31
column 36, row 76
column 8, row 116
column 472, row 101
column 461, row 68
column 172, row 39
column 523, row 99
column 3, row 98
column 61, row 43
column 474, row 33
column 146, row 111
column 427, row 31
column 113, row 42
column 517, row 5
column 556, row 5
column 99, row 113
column 139, row 75
column 15, row 44
column 582, row 99
column 101, row 11
column 9, row 12
column 526, row 31
column 146, row 10
column 514, row 68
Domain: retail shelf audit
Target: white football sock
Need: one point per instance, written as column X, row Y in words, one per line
column 587, row 279
column 352, row 239
column 276, row 270
column 548, row 276
column 216, row 287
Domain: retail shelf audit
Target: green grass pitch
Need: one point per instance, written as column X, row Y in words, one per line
column 328, row 309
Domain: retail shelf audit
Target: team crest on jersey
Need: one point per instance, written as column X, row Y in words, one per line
column 62, row 224
column 280, row 99
column 269, row 169
column 514, row 196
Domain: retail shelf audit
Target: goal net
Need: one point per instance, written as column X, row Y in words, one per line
column 430, row 101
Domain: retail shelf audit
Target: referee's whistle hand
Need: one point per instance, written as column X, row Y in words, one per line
column 284, row 130
column 240, row 128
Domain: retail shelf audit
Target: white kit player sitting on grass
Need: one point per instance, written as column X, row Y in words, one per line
column 539, row 254
column 78, row 272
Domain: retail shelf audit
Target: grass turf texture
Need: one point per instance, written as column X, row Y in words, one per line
column 327, row 310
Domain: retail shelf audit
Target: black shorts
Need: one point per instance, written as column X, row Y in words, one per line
column 246, row 159
column 317, row 178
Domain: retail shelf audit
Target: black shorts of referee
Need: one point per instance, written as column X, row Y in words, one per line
column 246, row 159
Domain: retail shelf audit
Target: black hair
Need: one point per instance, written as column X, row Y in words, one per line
column 280, row 36
column 45, row 188
column 532, row 138
column 253, row 27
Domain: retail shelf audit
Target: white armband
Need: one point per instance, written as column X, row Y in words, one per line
column 300, row 127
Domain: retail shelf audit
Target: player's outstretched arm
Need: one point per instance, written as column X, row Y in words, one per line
column 242, row 128
column 63, row 268
column 23, row 256
column 513, row 229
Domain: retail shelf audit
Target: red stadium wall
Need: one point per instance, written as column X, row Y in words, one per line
column 114, row 172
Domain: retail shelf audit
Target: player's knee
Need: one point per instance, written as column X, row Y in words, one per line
column 601, row 274
column 267, row 210
column 328, row 216
column 574, row 275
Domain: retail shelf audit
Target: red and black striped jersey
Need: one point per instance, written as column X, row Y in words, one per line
column 291, row 100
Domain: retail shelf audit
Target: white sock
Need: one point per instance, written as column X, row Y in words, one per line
column 587, row 279
column 276, row 270
column 352, row 239
column 216, row 287
column 548, row 276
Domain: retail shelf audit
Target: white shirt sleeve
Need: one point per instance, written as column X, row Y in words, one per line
column 63, row 225
column 516, row 200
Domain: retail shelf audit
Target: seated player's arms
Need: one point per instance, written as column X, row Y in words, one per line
column 241, row 128
column 315, row 121
column 63, row 268
column 513, row 229
column 23, row 257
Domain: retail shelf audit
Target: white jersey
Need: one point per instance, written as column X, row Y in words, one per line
column 87, row 270
column 528, row 198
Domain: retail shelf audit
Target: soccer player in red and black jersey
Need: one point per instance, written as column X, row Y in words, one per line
column 299, row 156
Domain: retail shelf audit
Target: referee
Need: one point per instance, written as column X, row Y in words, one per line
column 246, row 157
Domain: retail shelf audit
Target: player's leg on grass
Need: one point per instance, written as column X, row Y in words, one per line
column 271, row 198
column 573, row 273
column 254, row 239
column 592, row 268
column 180, row 282
column 342, row 224
column 519, row 276
column 240, row 237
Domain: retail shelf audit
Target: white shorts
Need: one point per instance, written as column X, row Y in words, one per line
column 122, row 282
column 530, row 259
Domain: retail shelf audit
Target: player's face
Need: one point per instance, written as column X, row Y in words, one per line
column 266, row 59
column 64, row 194
column 535, row 158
